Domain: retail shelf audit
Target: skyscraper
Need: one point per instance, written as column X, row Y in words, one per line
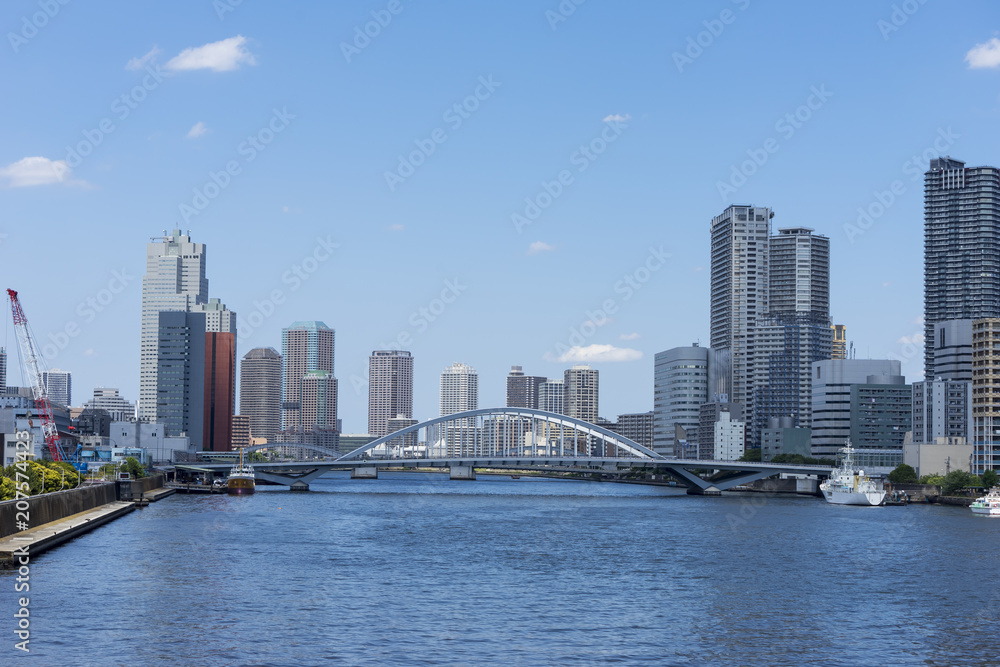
column 551, row 396
column 522, row 390
column 319, row 400
column 58, row 386
column 961, row 247
column 174, row 281
column 795, row 332
column 582, row 385
column 220, row 389
column 680, row 387
column 739, row 297
column 459, row 393
column 260, row 391
column 305, row 346
column 390, row 389
column 180, row 374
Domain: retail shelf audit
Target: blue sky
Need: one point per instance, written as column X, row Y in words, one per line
column 618, row 101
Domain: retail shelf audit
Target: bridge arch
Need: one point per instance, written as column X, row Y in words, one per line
column 633, row 448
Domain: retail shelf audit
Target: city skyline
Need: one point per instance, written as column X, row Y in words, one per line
column 132, row 183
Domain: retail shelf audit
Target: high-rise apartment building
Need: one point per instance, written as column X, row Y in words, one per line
column 961, row 247
column 260, row 391
column 942, row 409
column 839, row 349
column 680, row 387
column 953, row 350
column 985, row 395
column 636, row 426
column 305, row 346
column 241, row 432
column 459, row 393
column 174, row 281
column 522, row 390
column 739, row 296
column 582, row 387
column 390, row 389
column 319, row 400
column 551, row 396
column 58, row 386
column 795, row 332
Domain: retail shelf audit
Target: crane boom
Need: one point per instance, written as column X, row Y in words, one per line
column 30, row 357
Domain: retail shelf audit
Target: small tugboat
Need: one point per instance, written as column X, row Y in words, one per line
column 849, row 485
column 989, row 504
column 241, row 478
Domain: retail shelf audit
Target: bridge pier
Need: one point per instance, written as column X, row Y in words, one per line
column 463, row 472
column 364, row 472
column 299, row 486
column 707, row 491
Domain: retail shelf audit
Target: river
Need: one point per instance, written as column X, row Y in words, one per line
column 417, row 569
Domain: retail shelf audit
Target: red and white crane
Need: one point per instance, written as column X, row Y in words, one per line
column 29, row 359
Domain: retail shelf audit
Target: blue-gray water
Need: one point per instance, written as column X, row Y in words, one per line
column 417, row 569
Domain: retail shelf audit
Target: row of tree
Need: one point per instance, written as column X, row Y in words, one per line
column 954, row 481
column 49, row 476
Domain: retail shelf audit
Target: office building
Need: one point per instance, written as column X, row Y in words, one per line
column 881, row 413
column 832, row 384
column 109, row 400
column 680, row 387
column 58, row 386
column 796, row 331
column 839, row 345
column 260, row 391
column 582, row 385
column 220, row 386
column 986, row 395
column 953, row 350
column 782, row 437
column 180, row 375
column 739, row 291
column 961, row 247
column 941, row 409
column 390, row 389
column 522, row 390
column 305, row 346
column 174, row 281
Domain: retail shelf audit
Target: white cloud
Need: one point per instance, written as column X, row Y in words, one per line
column 539, row 246
column 89, row 352
column 197, row 130
column 918, row 320
column 617, row 118
column 222, row 56
column 917, row 339
column 35, row 171
column 396, row 228
column 598, row 353
column 984, row 55
column 139, row 63
column 631, row 336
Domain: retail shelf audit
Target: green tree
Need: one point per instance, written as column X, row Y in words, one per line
column 7, row 489
column 751, row 456
column 955, row 480
column 990, row 479
column 903, row 474
column 133, row 467
column 936, row 480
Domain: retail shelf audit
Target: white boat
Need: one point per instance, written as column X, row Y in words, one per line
column 849, row 485
column 989, row 504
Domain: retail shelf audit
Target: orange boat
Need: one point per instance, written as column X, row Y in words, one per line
column 241, row 478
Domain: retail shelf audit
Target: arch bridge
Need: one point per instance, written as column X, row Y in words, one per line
column 515, row 439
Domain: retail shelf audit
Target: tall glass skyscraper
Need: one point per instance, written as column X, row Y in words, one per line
column 961, row 247
column 174, row 281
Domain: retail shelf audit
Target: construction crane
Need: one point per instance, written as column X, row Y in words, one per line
column 29, row 361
